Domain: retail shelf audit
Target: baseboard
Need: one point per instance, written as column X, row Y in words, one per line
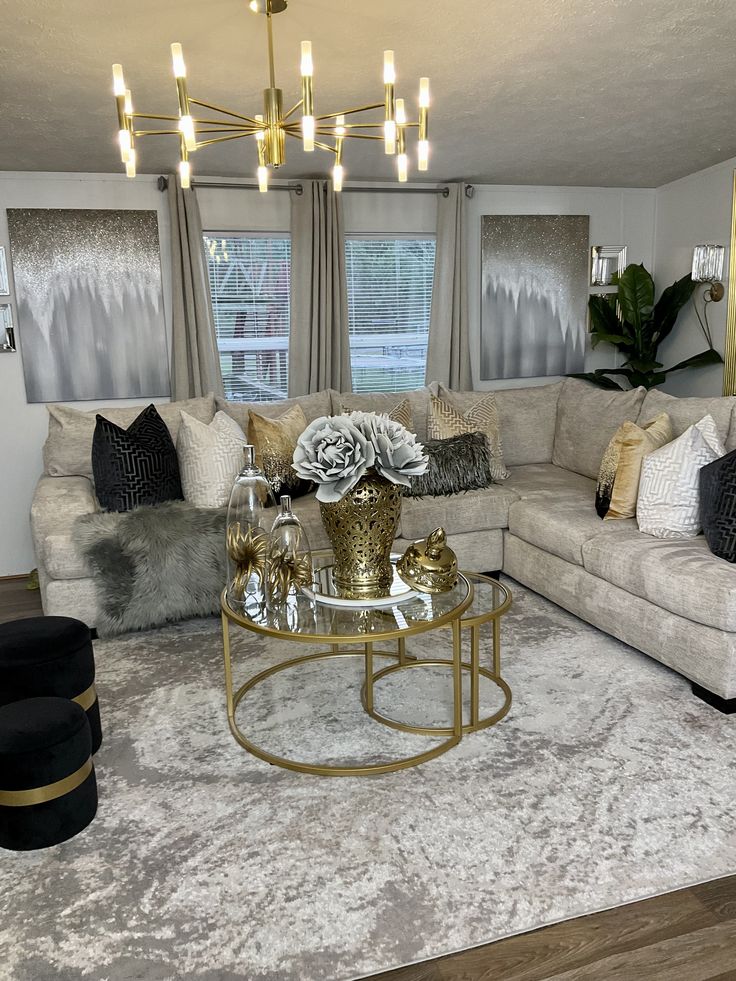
column 725, row 705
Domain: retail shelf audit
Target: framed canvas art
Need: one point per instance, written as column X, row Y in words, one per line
column 534, row 295
column 89, row 303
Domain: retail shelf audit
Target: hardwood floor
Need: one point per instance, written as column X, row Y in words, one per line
column 689, row 935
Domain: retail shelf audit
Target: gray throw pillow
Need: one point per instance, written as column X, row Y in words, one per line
column 456, row 464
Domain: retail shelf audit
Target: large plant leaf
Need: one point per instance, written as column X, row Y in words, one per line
column 636, row 295
column 668, row 306
column 711, row 356
column 600, row 380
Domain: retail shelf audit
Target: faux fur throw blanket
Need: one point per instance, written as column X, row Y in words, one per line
column 154, row 565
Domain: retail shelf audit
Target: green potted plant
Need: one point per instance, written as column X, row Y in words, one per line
column 634, row 324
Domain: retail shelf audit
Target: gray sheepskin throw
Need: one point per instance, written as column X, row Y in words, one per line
column 154, row 565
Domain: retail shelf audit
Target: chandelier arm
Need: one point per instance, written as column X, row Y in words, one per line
column 148, row 115
column 243, row 131
column 220, row 122
column 155, row 132
column 348, row 112
column 222, row 139
column 293, row 109
column 352, row 136
column 226, row 112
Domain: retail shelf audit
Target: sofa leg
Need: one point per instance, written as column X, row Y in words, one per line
column 496, row 574
column 725, row 705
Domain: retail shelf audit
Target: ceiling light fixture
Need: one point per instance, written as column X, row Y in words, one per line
column 272, row 127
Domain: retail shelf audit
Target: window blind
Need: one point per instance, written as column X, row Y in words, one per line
column 389, row 301
column 249, row 283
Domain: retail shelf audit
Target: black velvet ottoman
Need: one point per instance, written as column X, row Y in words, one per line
column 50, row 656
column 48, row 790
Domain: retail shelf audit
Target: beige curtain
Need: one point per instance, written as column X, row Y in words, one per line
column 195, row 362
column 448, row 350
column 319, row 343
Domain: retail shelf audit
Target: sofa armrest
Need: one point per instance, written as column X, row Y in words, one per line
column 57, row 503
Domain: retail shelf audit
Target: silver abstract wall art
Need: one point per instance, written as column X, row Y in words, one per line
column 534, row 295
column 89, row 303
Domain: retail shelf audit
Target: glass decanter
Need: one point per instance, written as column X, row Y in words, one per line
column 288, row 559
column 246, row 535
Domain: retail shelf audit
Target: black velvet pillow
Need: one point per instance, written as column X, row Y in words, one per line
column 137, row 465
column 459, row 463
column 718, row 506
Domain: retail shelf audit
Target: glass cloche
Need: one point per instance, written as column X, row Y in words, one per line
column 246, row 534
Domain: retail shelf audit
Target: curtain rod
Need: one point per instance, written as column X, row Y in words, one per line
column 163, row 183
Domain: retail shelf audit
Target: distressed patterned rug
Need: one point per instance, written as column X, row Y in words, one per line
column 607, row 782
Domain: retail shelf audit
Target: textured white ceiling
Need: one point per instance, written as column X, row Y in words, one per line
column 591, row 92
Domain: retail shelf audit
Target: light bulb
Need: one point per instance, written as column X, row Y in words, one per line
column 423, row 93
column 308, row 133
column 389, row 135
column 130, row 164
column 400, row 113
column 423, row 155
column 403, row 164
column 125, row 144
column 177, row 58
column 185, row 174
column 337, row 175
column 307, row 67
column 262, row 179
column 118, row 82
column 186, row 127
column 339, row 126
column 253, row 6
column 389, row 72
column 128, row 103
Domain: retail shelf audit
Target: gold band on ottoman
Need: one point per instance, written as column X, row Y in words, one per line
column 41, row 795
column 88, row 697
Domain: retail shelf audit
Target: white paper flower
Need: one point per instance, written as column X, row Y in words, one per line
column 398, row 455
column 333, row 453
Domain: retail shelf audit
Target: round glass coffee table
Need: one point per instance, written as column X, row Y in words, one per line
column 371, row 633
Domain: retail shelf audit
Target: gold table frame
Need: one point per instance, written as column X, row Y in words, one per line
column 368, row 651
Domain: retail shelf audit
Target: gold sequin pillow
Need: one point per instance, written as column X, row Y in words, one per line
column 400, row 413
column 446, row 421
column 275, row 441
column 620, row 473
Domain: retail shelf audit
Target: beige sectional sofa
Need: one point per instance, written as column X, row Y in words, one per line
column 671, row 599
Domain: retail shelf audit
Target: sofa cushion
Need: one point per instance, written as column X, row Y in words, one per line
column 546, row 480
column 274, row 440
column 680, row 576
column 718, row 506
column 687, row 411
column 618, row 480
column 587, row 418
column 560, row 525
column 528, row 421
column 385, row 402
column 67, row 451
column 669, row 493
column 313, row 406
column 479, row 510
column 62, row 559
column 210, row 457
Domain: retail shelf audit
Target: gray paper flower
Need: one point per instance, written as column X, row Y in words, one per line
column 335, row 454
column 398, row 455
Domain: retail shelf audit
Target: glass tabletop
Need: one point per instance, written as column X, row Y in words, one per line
column 475, row 597
column 303, row 618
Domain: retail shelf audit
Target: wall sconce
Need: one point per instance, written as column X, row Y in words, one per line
column 7, row 331
column 708, row 268
column 606, row 261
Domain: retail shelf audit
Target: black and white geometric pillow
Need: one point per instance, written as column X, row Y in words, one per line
column 137, row 465
column 718, row 506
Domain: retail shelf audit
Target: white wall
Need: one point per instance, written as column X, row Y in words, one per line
column 692, row 211
column 616, row 217
column 22, row 426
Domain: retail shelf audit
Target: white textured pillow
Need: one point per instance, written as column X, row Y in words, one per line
column 210, row 456
column 669, row 491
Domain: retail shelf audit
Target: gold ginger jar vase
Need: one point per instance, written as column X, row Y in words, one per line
column 362, row 528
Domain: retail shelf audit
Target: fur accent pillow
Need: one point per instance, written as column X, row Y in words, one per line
column 275, row 441
column 669, row 492
column 210, row 457
column 445, row 421
column 137, row 465
column 456, row 464
column 618, row 480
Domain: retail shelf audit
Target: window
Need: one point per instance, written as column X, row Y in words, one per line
column 249, row 283
column 389, row 302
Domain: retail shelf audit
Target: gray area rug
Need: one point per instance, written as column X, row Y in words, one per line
column 607, row 782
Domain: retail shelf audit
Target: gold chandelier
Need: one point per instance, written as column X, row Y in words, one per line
column 271, row 128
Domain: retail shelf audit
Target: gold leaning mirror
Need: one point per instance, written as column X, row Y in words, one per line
column 729, row 355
